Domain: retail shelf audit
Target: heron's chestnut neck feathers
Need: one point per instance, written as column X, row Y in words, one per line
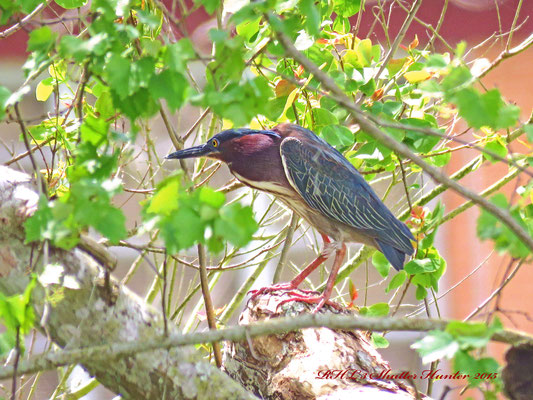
column 256, row 159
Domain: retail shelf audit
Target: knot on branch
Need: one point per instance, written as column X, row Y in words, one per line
column 315, row 363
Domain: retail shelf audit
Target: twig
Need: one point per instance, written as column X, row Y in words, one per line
column 27, row 152
column 404, row 180
column 418, row 311
column 14, row 28
column 495, row 293
column 513, row 24
column 42, row 185
column 164, row 294
column 436, row 133
column 286, row 247
column 209, row 310
column 15, row 365
column 491, row 189
column 508, row 53
column 401, row 34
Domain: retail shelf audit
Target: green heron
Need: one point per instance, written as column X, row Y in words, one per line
column 318, row 184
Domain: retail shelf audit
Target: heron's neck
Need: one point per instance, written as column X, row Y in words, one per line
column 262, row 170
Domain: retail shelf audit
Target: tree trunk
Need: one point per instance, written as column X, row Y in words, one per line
column 309, row 364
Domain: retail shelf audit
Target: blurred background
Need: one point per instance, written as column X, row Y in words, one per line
column 472, row 21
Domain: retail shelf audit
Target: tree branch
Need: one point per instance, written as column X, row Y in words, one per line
column 117, row 350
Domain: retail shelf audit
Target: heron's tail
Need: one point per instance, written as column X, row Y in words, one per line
column 396, row 257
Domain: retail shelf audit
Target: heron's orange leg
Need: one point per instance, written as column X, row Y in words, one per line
column 326, row 294
column 292, row 285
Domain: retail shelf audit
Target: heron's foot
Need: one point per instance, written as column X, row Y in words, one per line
column 288, row 286
column 320, row 301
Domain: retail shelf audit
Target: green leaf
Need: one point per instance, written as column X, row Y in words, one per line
column 487, row 109
column 341, row 25
column 528, row 129
column 457, row 77
column 27, row 5
column 153, row 21
column 188, row 228
column 468, row 365
column 218, row 35
column 236, row 224
column 177, row 54
column 312, row 16
column 70, row 4
column 104, row 105
column 323, row 118
column 79, row 49
column 420, row 266
column 16, row 313
column 497, row 147
column 469, row 334
column 172, row 86
column 41, row 39
column 211, row 197
column 436, row 61
column 346, row 8
column 460, row 49
column 209, row 5
column 439, row 160
column 52, row 221
column 396, row 281
column 90, row 200
column 4, row 96
column 94, row 130
column 248, row 29
column 381, row 263
column 368, row 88
column 435, row 346
column 118, row 73
column 420, row 141
column 427, row 242
column 421, row 292
column 165, row 199
column 106, row 219
column 490, row 227
column 375, row 310
column 337, row 135
column 378, row 341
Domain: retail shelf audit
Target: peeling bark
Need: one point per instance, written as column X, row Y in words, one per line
column 294, row 365
column 81, row 311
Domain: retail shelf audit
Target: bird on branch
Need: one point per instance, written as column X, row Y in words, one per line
column 320, row 185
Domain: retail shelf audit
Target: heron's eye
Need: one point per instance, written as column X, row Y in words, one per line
column 215, row 143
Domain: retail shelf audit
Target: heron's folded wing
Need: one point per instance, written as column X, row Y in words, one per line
column 330, row 184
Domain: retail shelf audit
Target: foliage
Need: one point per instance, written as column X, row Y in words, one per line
column 107, row 81
column 172, row 208
column 18, row 317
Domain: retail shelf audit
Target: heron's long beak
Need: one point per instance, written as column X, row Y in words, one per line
column 196, row 151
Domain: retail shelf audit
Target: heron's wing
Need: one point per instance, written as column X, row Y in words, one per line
column 331, row 185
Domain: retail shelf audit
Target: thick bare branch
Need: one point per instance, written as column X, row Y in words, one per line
column 115, row 350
